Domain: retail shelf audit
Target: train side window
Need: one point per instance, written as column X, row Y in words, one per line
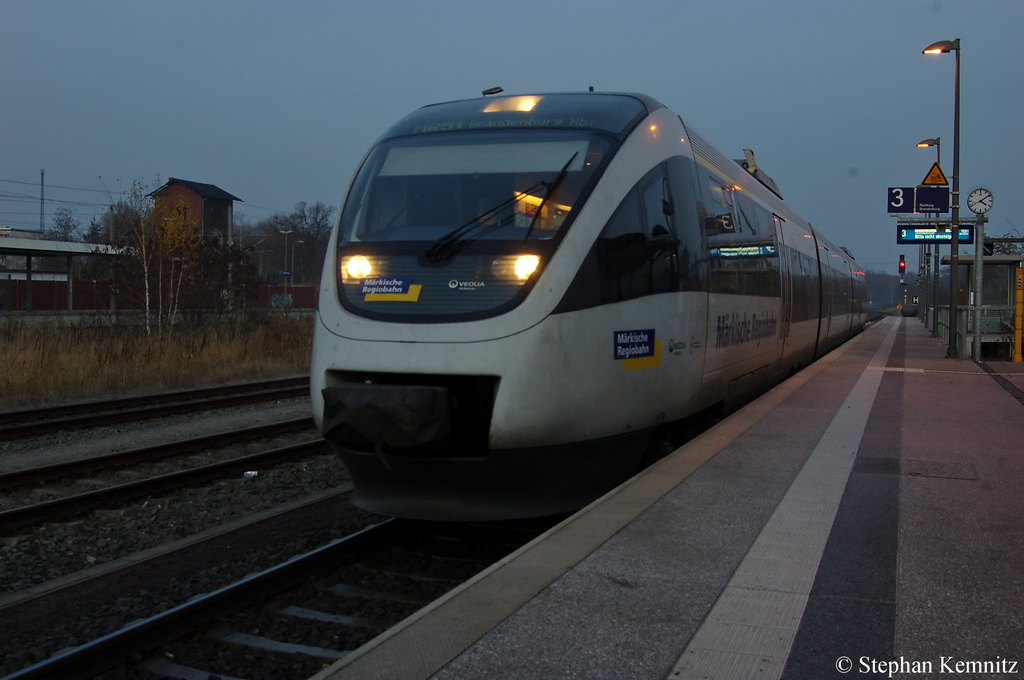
column 716, row 206
column 657, row 206
column 803, row 271
column 716, row 215
column 692, row 265
column 741, row 240
column 799, row 285
column 747, row 216
column 756, row 238
column 637, row 249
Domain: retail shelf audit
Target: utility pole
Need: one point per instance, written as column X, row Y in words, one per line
column 42, row 172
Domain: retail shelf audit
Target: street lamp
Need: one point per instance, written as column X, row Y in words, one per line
column 937, row 143
column 287, row 275
column 295, row 243
column 942, row 47
column 923, row 144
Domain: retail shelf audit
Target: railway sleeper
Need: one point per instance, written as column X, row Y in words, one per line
column 339, row 619
column 434, row 555
column 412, row 575
column 163, row 668
column 233, row 637
column 345, row 590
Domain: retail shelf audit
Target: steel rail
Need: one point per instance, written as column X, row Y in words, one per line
column 148, row 453
column 128, row 643
column 149, row 400
column 97, row 420
column 71, row 505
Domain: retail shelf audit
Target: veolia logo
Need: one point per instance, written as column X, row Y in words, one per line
column 465, row 285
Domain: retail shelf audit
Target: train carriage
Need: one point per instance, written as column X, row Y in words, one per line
column 521, row 290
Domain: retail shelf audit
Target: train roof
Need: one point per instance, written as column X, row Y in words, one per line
column 617, row 113
column 613, row 113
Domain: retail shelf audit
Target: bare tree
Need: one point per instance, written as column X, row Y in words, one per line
column 65, row 226
column 134, row 216
column 1009, row 248
column 309, row 229
column 177, row 242
column 314, row 224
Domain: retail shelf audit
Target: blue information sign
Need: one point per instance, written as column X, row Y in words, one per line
column 918, row 200
column 931, row 199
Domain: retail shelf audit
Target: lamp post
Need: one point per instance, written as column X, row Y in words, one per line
column 295, row 243
column 937, row 143
column 287, row 274
column 942, row 47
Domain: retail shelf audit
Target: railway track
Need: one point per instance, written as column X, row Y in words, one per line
column 295, row 618
column 67, row 476
column 31, row 422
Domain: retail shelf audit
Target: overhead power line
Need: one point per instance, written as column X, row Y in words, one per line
column 54, row 186
column 84, row 204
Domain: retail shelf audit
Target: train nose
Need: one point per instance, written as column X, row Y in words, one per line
column 376, row 417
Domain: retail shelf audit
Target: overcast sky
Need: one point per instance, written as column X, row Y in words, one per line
column 277, row 102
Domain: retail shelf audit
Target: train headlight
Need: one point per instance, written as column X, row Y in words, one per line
column 515, row 268
column 526, row 265
column 520, row 104
column 355, row 268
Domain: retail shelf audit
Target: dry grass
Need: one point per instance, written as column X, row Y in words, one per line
column 53, row 361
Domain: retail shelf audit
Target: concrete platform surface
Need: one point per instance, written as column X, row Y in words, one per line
column 865, row 518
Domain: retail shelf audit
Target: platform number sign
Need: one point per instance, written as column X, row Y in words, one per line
column 901, row 199
column 918, row 199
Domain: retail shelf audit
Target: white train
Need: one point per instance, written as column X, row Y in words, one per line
column 522, row 290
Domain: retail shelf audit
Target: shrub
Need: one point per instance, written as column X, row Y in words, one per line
column 50, row 360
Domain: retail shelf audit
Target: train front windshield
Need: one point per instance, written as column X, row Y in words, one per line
column 457, row 217
column 496, row 186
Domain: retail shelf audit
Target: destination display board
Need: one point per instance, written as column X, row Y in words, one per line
column 909, row 235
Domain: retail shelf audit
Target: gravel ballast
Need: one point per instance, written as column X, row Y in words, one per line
column 37, row 557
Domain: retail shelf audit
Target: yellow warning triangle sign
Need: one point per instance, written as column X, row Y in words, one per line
column 935, row 177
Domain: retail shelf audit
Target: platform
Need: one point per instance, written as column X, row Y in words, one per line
column 863, row 519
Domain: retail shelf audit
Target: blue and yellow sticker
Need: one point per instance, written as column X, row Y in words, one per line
column 637, row 349
column 389, row 289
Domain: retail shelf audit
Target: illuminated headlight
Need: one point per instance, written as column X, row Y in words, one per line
column 521, row 104
column 355, row 268
column 515, row 268
column 526, row 265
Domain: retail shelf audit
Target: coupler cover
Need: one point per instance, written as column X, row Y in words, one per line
column 374, row 416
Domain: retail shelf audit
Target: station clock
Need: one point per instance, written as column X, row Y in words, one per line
column 980, row 201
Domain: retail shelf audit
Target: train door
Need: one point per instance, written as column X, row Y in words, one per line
column 689, row 347
column 786, row 305
column 650, row 254
column 824, row 296
column 849, row 299
column 744, row 342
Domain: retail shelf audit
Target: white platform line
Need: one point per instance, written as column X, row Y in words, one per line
column 750, row 630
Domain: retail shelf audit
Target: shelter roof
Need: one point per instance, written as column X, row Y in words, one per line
column 968, row 260
column 37, row 247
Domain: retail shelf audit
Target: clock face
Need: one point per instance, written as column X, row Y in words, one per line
column 980, row 201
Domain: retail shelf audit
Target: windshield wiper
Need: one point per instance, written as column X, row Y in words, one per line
column 442, row 247
column 438, row 250
column 552, row 190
